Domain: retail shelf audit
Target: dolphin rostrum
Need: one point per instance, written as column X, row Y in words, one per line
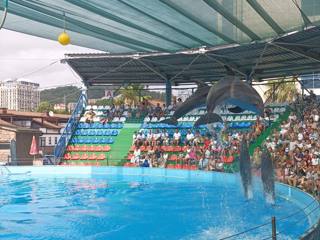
column 245, row 168
column 267, row 176
column 232, row 90
column 197, row 99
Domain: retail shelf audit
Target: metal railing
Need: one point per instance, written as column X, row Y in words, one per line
column 69, row 129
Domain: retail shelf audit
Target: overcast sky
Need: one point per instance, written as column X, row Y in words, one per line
column 24, row 55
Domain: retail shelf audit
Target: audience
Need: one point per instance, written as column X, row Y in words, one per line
column 294, row 147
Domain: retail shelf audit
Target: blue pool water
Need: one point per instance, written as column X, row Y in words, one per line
column 149, row 206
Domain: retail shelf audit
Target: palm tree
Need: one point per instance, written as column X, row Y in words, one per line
column 131, row 93
column 280, row 91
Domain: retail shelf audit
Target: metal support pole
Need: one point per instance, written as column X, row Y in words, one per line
column 249, row 78
column 273, row 92
column 168, row 92
column 274, row 228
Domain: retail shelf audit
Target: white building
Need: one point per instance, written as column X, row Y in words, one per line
column 19, row 95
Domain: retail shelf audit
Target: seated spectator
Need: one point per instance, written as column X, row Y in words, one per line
column 164, row 137
column 189, row 138
column 105, row 118
column 136, row 155
column 158, row 111
column 197, row 139
column 157, row 138
column 140, row 139
column 90, row 116
column 145, row 163
column 204, row 160
column 191, row 156
column 149, row 139
column 176, row 137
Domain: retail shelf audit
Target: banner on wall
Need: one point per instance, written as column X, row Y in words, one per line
column 108, row 93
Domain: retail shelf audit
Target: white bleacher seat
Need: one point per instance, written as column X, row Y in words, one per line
column 116, row 119
column 146, row 119
column 88, row 107
column 125, row 114
column 94, row 107
column 107, row 107
column 83, row 119
column 185, row 119
column 122, row 119
column 100, row 107
column 99, row 113
column 154, row 119
column 171, row 113
column 161, row 119
column 192, row 119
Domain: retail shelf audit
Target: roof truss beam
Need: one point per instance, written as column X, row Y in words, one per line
column 220, row 9
column 197, row 21
column 223, row 63
column 99, row 11
column 298, row 50
column 188, row 35
column 266, row 17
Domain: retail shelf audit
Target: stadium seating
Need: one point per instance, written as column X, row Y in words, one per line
column 91, row 141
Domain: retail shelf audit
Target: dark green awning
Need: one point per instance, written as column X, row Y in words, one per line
column 126, row 26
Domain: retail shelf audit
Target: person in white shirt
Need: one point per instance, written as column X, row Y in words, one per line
column 164, row 136
column 136, row 155
column 156, row 137
column 149, row 138
column 176, row 137
column 189, row 137
column 134, row 138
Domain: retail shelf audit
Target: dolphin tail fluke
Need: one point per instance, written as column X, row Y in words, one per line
column 208, row 118
column 170, row 121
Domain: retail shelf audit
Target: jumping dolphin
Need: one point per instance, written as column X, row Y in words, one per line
column 245, row 169
column 267, row 176
column 197, row 99
column 232, row 90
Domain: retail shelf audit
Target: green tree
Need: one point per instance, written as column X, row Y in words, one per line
column 280, row 91
column 44, row 107
column 131, row 93
column 104, row 102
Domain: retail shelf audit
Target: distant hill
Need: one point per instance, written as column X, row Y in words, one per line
column 56, row 95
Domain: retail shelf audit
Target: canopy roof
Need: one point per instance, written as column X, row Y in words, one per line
column 124, row 26
column 294, row 54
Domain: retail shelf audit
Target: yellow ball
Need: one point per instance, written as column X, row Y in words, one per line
column 64, row 38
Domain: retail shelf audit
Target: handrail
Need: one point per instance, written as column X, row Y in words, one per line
column 69, row 128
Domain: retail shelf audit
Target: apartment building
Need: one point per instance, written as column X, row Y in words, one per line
column 19, row 95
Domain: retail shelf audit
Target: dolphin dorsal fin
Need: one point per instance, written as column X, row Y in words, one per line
column 201, row 84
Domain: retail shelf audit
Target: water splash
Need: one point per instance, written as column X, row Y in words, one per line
column 245, row 169
column 267, row 176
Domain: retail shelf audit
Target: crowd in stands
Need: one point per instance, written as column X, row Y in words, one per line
column 295, row 149
column 206, row 152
